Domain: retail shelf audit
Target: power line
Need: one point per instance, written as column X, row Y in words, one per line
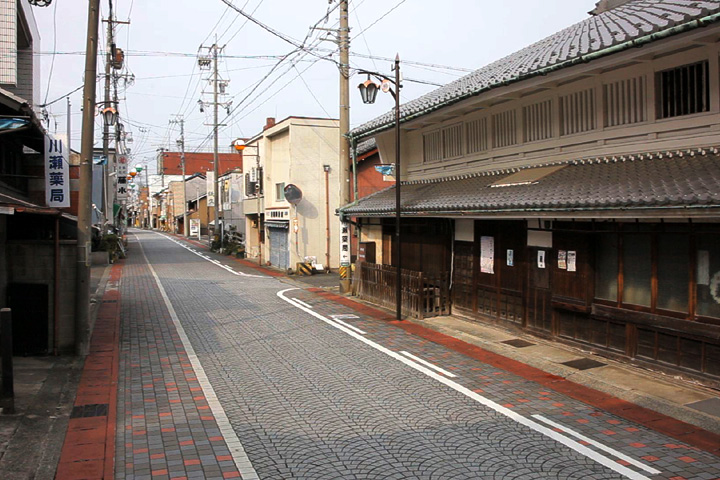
column 52, row 63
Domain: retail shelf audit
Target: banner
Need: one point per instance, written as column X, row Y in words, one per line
column 122, row 173
column 210, row 189
column 344, row 245
column 57, row 171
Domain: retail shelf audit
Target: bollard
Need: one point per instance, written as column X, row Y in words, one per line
column 7, row 393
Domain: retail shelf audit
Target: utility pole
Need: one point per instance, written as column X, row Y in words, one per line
column 69, row 144
column 107, row 197
column 219, row 87
column 215, row 144
column 344, row 166
column 82, row 294
column 181, row 121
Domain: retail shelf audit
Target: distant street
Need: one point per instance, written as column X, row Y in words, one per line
column 248, row 376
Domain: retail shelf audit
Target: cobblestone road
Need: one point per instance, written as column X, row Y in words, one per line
column 313, row 390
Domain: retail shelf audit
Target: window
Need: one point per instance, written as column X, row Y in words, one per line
column 707, row 277
column 538, row 121
column 504, row 129
column 476, row 135
column 673, row 272
column 444, row 143
column 683, row 91
column 637, row 269
column 624, row 102
column 452, row 141
column 577, row 112
column 432, row 146
column 606, row 268
column 280, row 192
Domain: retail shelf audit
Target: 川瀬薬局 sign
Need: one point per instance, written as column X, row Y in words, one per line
column 57, row 171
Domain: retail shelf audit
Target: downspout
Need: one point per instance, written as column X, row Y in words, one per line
column 56, row 287
column 353, row 146
column 327, row 216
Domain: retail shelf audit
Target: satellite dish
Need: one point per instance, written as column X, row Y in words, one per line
column 293, row 194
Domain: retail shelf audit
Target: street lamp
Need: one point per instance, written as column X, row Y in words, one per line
column 110, row 116
column 368, row 92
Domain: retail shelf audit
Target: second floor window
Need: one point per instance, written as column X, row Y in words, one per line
column 280, row 192
column 683, row 90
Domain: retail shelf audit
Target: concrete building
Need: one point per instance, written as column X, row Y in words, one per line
column 300, row 152
column 38, row 235
column 19, row 46
column 571, row 190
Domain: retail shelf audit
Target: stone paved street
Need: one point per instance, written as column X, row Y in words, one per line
column 262, row 379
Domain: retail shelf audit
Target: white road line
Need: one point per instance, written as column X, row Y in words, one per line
column 211, row 260
column 599, row 445
column 527, row 422
column 336, row 318
column 428, row 364
column 301, row 303
column 242, row 462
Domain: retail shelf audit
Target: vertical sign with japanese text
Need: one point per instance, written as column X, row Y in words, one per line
column 57, row 171
column 344, row 244
column 122, row 173
column 210, row 189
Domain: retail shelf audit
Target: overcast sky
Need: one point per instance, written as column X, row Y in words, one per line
column 163, row 38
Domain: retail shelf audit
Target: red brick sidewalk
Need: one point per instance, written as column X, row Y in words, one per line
column 89, row 447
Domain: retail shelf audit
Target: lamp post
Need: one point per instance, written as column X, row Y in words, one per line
column 368, row 92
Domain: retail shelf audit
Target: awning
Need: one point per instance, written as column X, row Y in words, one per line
column 687, row 180
column 277, row 224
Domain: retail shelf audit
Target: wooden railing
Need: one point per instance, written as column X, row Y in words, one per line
column 423, row 295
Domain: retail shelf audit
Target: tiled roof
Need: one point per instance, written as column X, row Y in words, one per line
column 687, row 179
column 632, row 21
column 366, row 146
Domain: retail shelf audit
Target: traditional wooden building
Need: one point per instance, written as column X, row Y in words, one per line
column 572, row 189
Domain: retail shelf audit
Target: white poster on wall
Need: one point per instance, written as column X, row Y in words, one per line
column 541, row 259
column 487, row 254
column 571, row 261
column 57, row 172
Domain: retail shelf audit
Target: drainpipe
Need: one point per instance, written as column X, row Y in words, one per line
column 327, row 216
column 353, row 145
column 56, row 287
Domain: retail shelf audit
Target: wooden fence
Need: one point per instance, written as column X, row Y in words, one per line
column 423, row 295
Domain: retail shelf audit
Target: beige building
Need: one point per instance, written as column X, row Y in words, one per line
column 302, row 153
column 572, row 189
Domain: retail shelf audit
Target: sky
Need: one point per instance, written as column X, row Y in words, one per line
column 438, row 42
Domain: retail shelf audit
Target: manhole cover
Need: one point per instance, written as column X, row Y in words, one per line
column 583, row 364
column 711, row 406
column 518, row 343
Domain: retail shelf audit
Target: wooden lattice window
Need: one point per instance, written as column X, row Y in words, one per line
column 625, row 102
column 504, row 129
column 476, row 135
column 577, row 112
column 538, row 121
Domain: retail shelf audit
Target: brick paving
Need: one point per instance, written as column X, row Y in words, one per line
column 166, row 429
column 87, row 451
column 309, row 401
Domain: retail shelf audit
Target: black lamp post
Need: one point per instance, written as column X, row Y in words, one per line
column 368, row 92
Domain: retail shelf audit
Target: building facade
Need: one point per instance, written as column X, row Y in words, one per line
column 572, row 189
column 295, row 155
